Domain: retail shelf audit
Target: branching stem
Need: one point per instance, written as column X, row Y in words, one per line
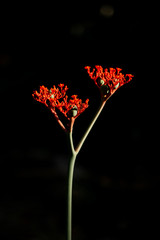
column 74, row 153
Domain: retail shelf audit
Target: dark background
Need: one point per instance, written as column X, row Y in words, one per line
column 117, row 180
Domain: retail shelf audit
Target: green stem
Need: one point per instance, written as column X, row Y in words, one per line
column 90, row 126
column 74, row 153
column 70, row 184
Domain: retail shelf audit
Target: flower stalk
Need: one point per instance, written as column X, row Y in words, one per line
column 90, row 126
column 69, row 198
column 56, row 99
column 74, row 153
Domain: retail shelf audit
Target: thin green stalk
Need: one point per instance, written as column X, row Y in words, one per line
column 90, row 126
column 70, row 187
column 70, row 182
column 74, row 153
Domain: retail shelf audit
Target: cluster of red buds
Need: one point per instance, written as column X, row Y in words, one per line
column 108, row 81
column 57, row 99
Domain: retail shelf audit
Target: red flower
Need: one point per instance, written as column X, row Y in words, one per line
column 108, row 81
column 56, row 98
column 50, row 97
column 72, row 107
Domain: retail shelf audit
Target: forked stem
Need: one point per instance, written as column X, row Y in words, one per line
column 74, row 153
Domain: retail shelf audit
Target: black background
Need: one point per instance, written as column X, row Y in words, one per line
column 116, row 184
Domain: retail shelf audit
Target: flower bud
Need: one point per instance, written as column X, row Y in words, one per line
column 105, row 90
column 73, row 112
column 100, row 82
column 117, row 85
column 52, row 95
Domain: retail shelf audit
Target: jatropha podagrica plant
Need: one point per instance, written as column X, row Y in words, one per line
column 56, row 99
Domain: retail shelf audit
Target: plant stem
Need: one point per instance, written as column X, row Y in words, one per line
column 70, row 183
column 90, row 126
column 58, row 120
column 74, row 153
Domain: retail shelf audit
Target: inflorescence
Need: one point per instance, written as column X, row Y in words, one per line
column 56, row 99
column 108, row 81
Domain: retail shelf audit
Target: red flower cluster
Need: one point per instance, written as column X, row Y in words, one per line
column 56, row 98
column 50, row 97
column 72, row 107
column 108, row 81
